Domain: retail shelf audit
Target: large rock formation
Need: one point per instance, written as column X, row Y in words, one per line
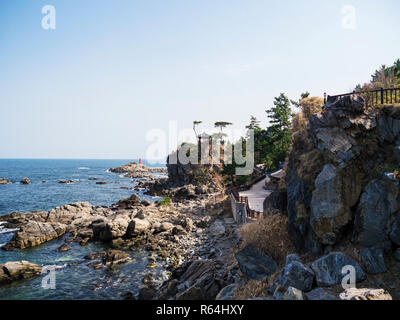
column 4, row 181
column 80, row 219
column 338, row 186
column 137, row 170
column 18, row 270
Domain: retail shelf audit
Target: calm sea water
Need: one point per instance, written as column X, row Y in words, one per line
column 74, row 279
column 46, row 192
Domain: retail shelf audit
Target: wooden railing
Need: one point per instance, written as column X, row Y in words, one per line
column 242, row 199
column 375, row 96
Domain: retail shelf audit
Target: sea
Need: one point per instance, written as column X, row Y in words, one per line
column 73, row 278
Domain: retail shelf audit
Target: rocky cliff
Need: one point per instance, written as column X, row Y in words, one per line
column 341, row 177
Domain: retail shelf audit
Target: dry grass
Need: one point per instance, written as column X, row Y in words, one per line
column 299, row 122
column 309, row 106
column 251, row 289
column 270, row 235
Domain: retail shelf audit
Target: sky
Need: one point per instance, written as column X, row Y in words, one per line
column 111, row 72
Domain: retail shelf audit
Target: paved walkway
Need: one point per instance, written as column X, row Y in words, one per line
column 256, row 195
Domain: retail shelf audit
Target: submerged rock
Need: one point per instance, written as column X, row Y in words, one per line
column 113, row 257
column 25, row 181
column 95, row 255
column 18, row 270
column 66, row 181
column 64, row 248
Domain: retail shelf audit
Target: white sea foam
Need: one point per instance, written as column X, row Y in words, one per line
column 53, row 267
column 6, row 230
column 3, row 222
column 83, row 168
column 2, row 244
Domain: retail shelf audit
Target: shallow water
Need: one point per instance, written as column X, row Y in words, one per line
column 74, row 279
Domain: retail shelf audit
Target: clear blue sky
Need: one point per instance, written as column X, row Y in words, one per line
column 112, row 70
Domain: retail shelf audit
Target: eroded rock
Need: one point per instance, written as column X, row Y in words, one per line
column 328, row 269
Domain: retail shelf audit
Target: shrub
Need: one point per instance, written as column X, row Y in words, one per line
column 270, row 235
column 165, row 202
column 310, row 106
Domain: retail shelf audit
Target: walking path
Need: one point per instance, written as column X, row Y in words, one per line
column 256, row 195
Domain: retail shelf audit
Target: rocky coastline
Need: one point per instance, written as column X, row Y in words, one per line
column 193, row 235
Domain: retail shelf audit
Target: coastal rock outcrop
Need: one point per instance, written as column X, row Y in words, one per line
column 137, row 170
column 18, row 270
column 374, row 212
column 35, row 228
column 113, row 257
column 338, row 176
column 4, row 181
column 329, row 269
column 25, row 181
column 34, row 233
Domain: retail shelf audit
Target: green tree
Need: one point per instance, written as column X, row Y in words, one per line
column 254, row 124
column 221, row 125
column 195, row 124
column 279, row 133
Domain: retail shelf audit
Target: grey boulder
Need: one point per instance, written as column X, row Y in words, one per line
column 297, row 275
column 319, row 294
column 254, row 264
column 372, row 260
column 328, row 269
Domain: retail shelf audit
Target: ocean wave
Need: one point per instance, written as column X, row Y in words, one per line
column 3, row 244
column 53, row 267
column 83, row 168
column 6, row 230
column 3, row 222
